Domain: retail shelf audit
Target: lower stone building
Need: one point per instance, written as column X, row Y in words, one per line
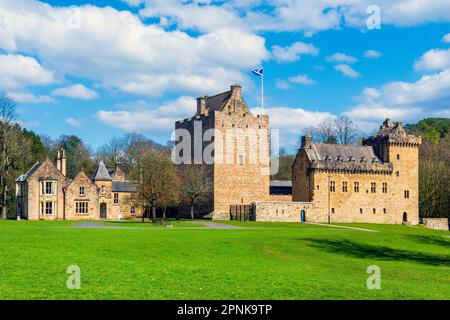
column 377, row 182
column 45, row 193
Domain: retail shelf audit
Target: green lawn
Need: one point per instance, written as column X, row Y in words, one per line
column 267, row 261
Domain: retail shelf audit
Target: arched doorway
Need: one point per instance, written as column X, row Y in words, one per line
column 103, row 210
column 405, row 217
column 303, row 216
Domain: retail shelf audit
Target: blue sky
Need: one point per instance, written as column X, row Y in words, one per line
column 98, row 69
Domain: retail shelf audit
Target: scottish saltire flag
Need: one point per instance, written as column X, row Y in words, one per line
column 258, row 72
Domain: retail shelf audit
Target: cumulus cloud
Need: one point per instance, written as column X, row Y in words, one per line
column 117, row 50
column 77, row 91
column 282, row 84
column 404, row 101
column 301, row 78
column 346, row 70
column 73, row 122
column 293, row 52
column 434, row 59
column 372, row 54
column 17, row 71
column 28, row 97
column 342, row 57
column 148, row 119
column 446, row 38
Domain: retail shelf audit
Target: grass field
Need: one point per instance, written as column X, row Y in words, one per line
column 263, row 261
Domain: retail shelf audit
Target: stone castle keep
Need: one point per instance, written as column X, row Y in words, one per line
column 376, row 182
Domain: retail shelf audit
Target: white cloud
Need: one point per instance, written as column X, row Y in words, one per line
column 145, row 119
column 446, row 38
column 301, row 78
column 282, row 84
column 342, row 57
column 403, row 101
column 372, row 54
column 73, row 122
column 17, row 71
column 118, row 51
column 77, row 91
column 434, row 59
column 28, row 97
column 346, row 70
column 293, row 52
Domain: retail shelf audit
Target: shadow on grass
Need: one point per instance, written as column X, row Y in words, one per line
column 435, row 240
column 367, row 251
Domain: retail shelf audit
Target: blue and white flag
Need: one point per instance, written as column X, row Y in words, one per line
column 258, row 72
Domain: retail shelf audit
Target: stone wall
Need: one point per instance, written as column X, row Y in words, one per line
column 436, row 223
column 278, row 211
column 90, row 197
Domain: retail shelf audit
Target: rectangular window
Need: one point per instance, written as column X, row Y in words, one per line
column 81, row 191
column 398, row 157
column 332, row 186
column 373, row 187
column 48, row 187
column 318, row 187
column 356, row 186
column 397, row 173
column 133, row 210
column 360, row 210
column 48, row 207
column 344, row 186
column 82, row 207
column 332, row 210
column 406, row 194
column 103, row 190
column 116, row 198
column 384, row 187
column 384, row 210
column 374, row 210
column 241, row 159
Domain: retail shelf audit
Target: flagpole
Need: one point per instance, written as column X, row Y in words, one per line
column 262, row 92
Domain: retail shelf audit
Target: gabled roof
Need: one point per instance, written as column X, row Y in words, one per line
column 30, row 172
column 101, row 174
column 216, row 102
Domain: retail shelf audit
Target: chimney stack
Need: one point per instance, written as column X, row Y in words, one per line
column 236, row 90
column 58, row 161
column 306, row 142
column 63, row 162
column 201, row 106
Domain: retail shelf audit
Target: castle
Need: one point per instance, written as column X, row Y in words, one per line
column 45, row 193
column 376, row 182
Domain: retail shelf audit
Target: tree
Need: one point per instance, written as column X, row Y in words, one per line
column 196, row 185
column 326, row 131
column 345, row 130
column 112, row 152
column 79, row 157
column 157, row 180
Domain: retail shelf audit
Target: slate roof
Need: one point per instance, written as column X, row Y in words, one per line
column 101, row 174
column 216, row 102
column 347, row 158
column 123, row 186
column 29, row 173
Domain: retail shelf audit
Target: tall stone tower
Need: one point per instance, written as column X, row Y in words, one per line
column 232, row 147
column 393, row 145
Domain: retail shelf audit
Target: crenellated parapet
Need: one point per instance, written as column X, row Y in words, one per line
column 393, row 134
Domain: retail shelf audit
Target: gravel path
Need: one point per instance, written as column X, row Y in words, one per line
column 344, row 227
column 208, row 225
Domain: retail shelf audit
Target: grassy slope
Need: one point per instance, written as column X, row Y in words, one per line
column 271, row 261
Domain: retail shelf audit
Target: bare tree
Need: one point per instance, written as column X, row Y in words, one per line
column 196, row 186
column 8, row 116
column 345, row 130
column 326, row 131
column 112, row 152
